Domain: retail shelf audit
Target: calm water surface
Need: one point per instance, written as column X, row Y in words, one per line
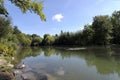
column 93, row 63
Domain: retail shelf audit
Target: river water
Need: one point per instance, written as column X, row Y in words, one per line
column 92, row 63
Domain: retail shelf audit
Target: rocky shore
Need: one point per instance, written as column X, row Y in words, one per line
column 27, row 73
column 6, row 76
column 4, row 73
column 19, row 73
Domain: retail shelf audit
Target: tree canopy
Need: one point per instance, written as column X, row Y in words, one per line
column 102, row 29
column 116, row 27
column 26, row 5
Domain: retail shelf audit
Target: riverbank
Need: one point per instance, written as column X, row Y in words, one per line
column 6, row 76
column 5, row 70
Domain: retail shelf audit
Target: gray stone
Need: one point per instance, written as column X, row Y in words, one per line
column 6, row 76
column 2, row 61
column 31, row 75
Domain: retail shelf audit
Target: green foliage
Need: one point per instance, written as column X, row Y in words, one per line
column 6, row 49
column 88, row 33
column 16, row 30
column 102, row 30
column 11, row 38
column 3, row 10
column 65, row 38
column 48, row 39
column 23, row 40
column 26, row 5
column 36, row 40
column 4, row 27
column 78, row 38
column 8, row 59
column 116, row 27
column 5, row 68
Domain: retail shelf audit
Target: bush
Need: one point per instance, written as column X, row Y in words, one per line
column 6, row 49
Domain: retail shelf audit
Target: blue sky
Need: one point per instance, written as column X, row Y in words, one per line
column 66, row 15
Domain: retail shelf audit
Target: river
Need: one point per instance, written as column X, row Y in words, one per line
column 91, row 63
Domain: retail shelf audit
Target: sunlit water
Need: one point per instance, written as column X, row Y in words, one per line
column 90, row 64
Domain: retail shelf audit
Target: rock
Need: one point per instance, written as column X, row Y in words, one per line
column 28, row 74
column 6, row 76
column 21, row 66
column 31, row 75
column 43, row 77
column 3, row 64
column 13, row 58
column 2, row 61
column 16, row 72
column 10, row 65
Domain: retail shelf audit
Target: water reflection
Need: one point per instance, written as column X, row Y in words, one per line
column 26, row 52
column 93, row 63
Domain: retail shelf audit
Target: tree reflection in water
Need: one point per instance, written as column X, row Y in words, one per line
column 105, row 59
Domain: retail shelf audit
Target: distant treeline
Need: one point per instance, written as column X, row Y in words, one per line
column 104, row 30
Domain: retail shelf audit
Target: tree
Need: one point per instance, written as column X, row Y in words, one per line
column 116, row 27
column 88, row 33
column 48, row 39
column 5, row 27
column 16, row 30
column 23, row 39
column 36, row 40
column 78, row 38
column 102, row 30
column 3, row 10
column 26, row 5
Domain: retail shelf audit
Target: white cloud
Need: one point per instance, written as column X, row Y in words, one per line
column 57, row 17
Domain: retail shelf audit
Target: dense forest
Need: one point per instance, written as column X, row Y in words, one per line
column 104, row 30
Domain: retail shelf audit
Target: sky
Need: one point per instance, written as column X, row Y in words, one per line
column 65, row 15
